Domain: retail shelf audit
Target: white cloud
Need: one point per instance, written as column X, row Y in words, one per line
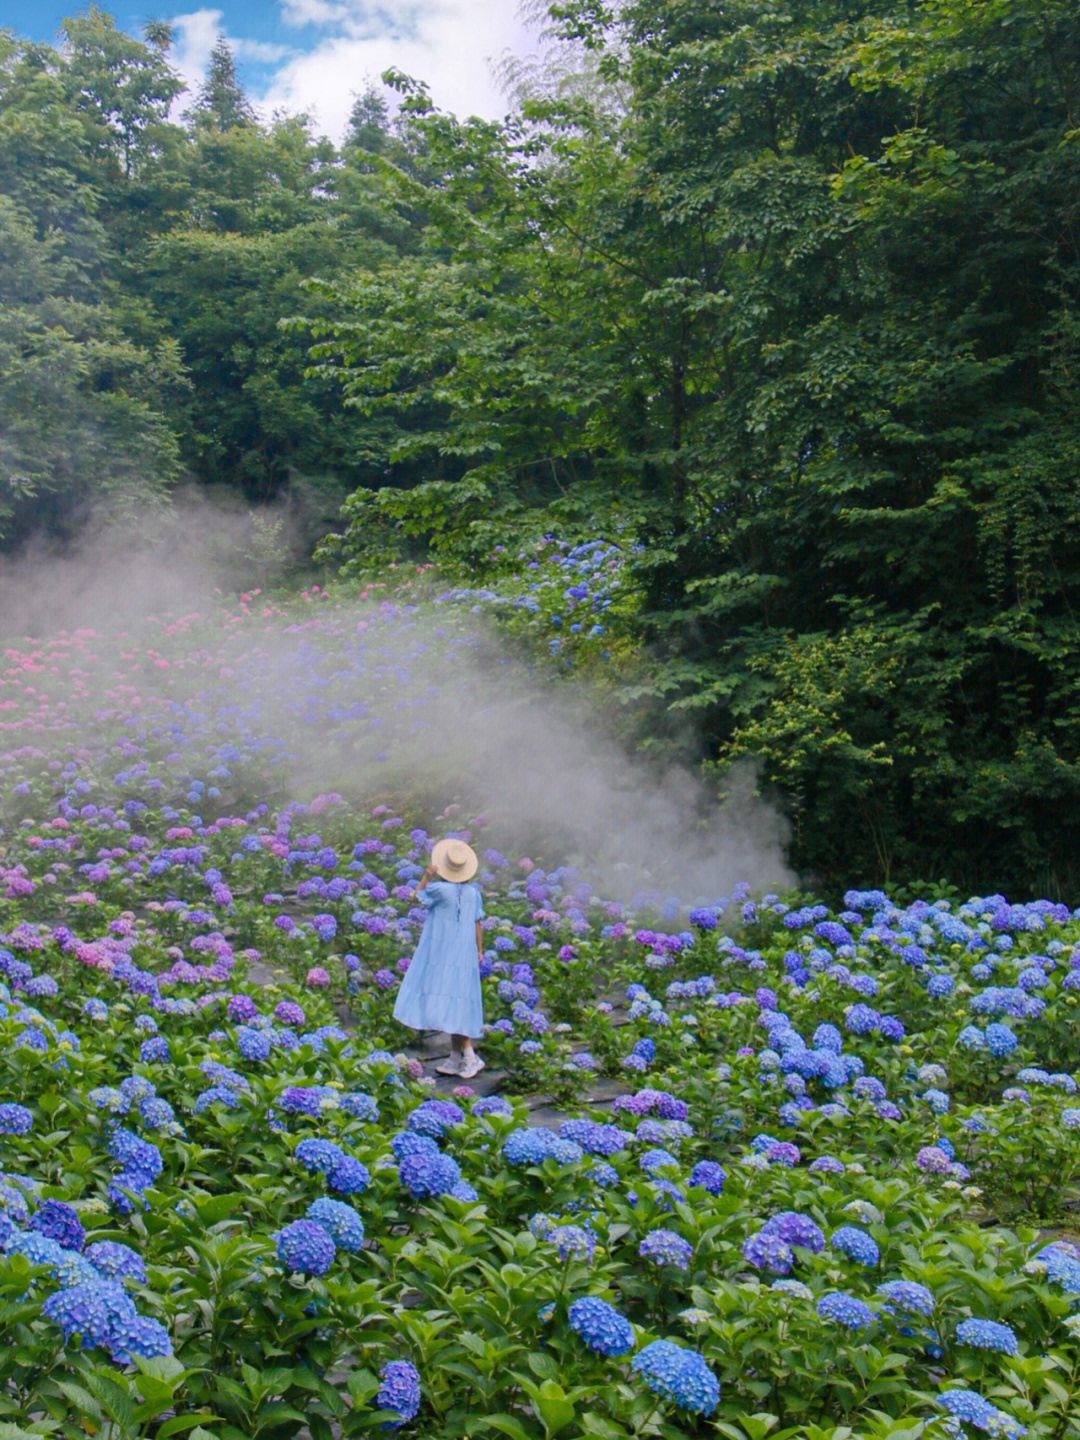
column 261, row 51
column 363, row 19
column 194, row 36
column 315, row 12
column 451, row 45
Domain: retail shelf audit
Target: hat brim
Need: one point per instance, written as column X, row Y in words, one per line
column 445, row 871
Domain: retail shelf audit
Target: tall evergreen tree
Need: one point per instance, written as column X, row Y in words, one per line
column 221, row 104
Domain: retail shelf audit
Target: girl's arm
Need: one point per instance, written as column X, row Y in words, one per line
column 429, row 874
column 479, row 943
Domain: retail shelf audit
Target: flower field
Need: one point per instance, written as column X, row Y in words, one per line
column 806, row 1171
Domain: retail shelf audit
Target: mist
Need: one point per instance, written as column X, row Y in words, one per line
column 418, row 704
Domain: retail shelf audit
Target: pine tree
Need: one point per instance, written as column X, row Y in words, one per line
column 222, row 104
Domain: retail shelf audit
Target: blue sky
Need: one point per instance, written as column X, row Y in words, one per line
column 315, row 55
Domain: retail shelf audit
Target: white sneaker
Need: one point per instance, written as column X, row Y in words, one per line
column 451, row 1065
column 472, row 1066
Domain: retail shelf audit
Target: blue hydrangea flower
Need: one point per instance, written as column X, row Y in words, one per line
column 492, row 1105
column 970, row 1408
column 658, row 1160
column 217, row 1095
column 795, row 1288
column 360, row 1105
column 60, row 1223
column 425, row 1173
column 768, row 1251
column 826, row 1165
column 1000, row 1040
column 349, row 1176
column 38, row 1249
column 254, row 1045
column 15, row 1120
column 535, row 1145
column 108, row 1097
column 116, row 1261
column 434, row 1117
column 666, row 1248
column 341, row 1222
column 907, row 1295
column 1061, row 1263
column 604, row 1175
column 573, row 1242
column 405, row 1142
column 595, row 1139
column 399, row 1391
column 798, row 1229
column 679, row 1375
column 987, row 1335
column 861, row 1019
column 856, row 1244
column 91, row 1311
column 306, row 1247
column 709, row 1175
column 320, row 1156
column 137, row 1156
column 601, row 1326
column 828, row 1037
column 845, row 1310
column 138, row 1335
column 156, row 1114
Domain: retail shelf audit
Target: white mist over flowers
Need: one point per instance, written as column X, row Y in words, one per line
column 790, row 1153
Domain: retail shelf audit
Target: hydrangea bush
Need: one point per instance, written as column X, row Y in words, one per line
column 831, row 1189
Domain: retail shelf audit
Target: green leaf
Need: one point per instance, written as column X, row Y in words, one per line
column 116, row 1402
column 218, row 1207
column 542, row 1364
column 757, row 1426
column 553, row 1407
column 84, row 1402
column 507, row 1424
column 180, row 1423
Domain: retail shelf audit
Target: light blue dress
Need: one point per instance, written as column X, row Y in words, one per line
column 441, row 988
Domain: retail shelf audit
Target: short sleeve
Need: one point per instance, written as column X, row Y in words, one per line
column 479, row 902
column 428, row 897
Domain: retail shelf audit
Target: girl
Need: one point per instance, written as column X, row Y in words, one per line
column 441, row 989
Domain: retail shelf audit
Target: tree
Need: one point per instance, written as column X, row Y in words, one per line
column 807, row 307
column 81, row 422
column 368, row 126
column 82, row 427
column 221, row 104
column 121, row 87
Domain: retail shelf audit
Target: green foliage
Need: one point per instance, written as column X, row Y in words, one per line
column 145, row 272
column 82, row 403
column 804, row 301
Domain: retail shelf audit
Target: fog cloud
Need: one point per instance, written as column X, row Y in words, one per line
column 383, row 698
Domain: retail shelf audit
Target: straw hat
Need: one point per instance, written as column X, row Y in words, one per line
column 454, row 860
